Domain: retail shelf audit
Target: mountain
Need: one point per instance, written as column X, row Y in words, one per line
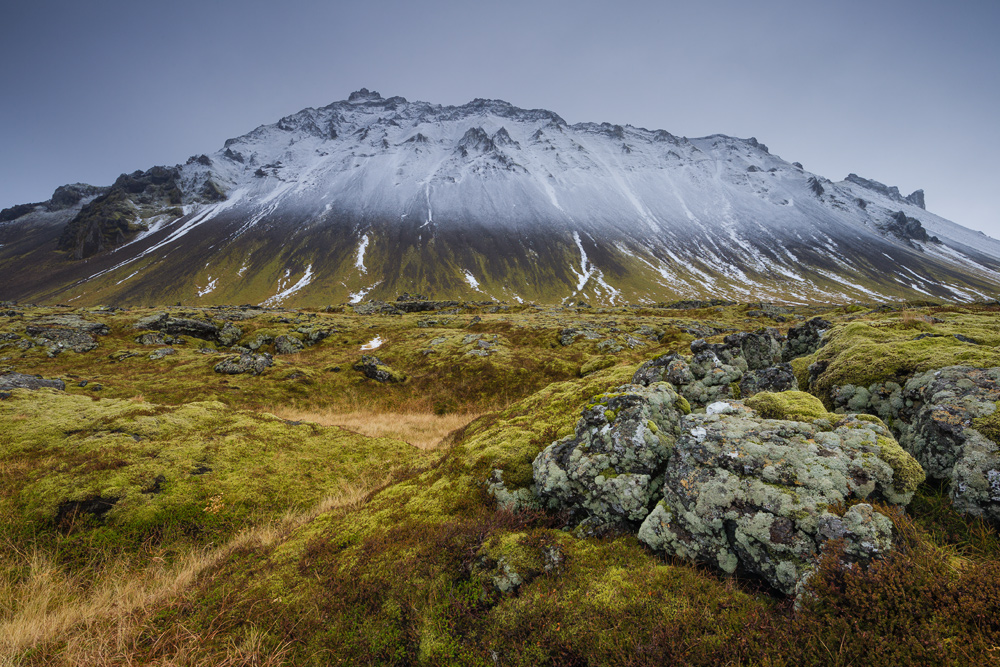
column 371, row 197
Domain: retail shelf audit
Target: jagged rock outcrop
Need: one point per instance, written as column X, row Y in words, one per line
column 908, row 229
column 891, row 191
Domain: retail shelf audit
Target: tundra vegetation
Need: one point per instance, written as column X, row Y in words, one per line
column 500, row 484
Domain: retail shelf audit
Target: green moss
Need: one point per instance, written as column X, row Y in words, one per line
column 907, row 474
column 609, row 473
column 872, row 419
column 864, row 353
column 162, row 470
column 734, row 387
column 682, row 404
column 793, row 405
column 989, row 425
column 597, row 364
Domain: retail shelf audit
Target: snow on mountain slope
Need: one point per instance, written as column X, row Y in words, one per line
column 370, row 197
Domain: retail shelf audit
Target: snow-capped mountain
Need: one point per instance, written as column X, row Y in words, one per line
column 370, row 197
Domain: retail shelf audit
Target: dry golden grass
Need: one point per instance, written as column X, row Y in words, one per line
column 914, row 320
column 96, row 623
column 424, row 430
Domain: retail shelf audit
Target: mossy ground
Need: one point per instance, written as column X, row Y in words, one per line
column 422, row 567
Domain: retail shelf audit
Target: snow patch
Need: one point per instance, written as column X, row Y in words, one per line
column 209, row 288
column 281, row 296
column 357, row 297
column 374, row 344
column 471, row 279
column 359, row 261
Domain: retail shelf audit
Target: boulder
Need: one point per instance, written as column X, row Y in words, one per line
column 948, row 420
column 610, row 471
column 776, row 378
column 254, row 364
column 178, row 326
column 21, row 381
column 760, row 496
column 373, row 368
column 59, row 333
column 702, row 380
column 229, row 334
column 288, row 345
column 805, row 339
column 258, row 341
column 60, row 340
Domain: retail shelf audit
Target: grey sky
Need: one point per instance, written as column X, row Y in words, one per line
column 904, row 92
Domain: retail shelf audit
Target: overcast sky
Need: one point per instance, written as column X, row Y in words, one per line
column 907, row 93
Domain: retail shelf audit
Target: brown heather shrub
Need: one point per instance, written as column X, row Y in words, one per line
column 915, row 607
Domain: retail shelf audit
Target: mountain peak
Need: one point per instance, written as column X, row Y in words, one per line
column 364, row 95
column 370, row 196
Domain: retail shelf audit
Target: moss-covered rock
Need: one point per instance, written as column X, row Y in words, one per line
column 375, row 369
column 791, row 405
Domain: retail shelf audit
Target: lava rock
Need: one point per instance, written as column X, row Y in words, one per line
column 948, row 420
column 179, row 326
column 776, row 378
column 805, row 339
column 22, row 381
column 229, row 334
column 253, row 364
column 610, row 470
column 373, row 368
column 754, row 495
column 288, row 345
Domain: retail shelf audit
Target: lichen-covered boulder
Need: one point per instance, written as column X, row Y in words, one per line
column 254, row 364
column 774, row 378
column 374, row 368
column 178, row 326
column 702, row 380
column 258, row 341
column 944, row 418
column 805, row 338
column 746, row 350
column 758, row 495
column 229, row 334
column 288, row 345
column 156, row 355
column 59, row 333
column 611, row 470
